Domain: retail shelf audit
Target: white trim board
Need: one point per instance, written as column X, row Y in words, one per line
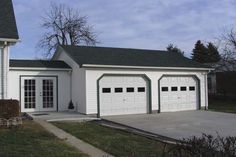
column 145, row 67
column 40, row 69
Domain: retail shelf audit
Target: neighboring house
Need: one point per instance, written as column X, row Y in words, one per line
column 221, row 81
column 108, row 81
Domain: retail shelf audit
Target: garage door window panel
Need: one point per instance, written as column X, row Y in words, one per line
column 130, row 90
column 118, row 90
column 141, row 89
column 183, row 88
column 164, row 89
column 174, row 89
column 106, row 90
column 192, row 88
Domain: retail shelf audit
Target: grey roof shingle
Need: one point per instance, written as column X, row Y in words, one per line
column 38, row 64
column 8, row 28
column 129, row 57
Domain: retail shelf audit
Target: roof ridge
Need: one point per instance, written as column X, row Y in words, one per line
column 103, row 47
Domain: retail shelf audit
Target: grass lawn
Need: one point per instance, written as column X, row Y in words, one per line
column 115, row 142
column 31, row 140
column 222, row 106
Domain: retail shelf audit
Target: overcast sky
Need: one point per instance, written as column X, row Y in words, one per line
column 146, row 24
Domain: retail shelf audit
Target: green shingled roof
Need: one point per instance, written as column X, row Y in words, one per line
column 8, row 28
column 38, row 64
column 129, row 57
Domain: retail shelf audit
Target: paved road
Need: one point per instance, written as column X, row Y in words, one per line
column 180, row 125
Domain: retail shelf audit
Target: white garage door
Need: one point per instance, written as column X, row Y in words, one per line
column 123, row 95
column 178, row 94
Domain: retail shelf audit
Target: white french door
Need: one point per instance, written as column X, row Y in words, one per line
column 38, row 94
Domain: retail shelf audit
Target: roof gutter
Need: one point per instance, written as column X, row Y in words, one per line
column 10, row 40
column 144, row 67
column 38, row 68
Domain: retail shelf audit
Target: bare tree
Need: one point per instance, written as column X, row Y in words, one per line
column 65, row 26
column 228, row 43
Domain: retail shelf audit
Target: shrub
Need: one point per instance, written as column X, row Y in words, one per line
column 9, row 109
column 206, row 146
column 71, row 105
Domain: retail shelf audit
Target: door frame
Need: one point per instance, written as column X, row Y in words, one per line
column 36, row 76
column 198, row 88
column 144, row 76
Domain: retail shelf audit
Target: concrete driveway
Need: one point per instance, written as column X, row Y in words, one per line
column 180, row 125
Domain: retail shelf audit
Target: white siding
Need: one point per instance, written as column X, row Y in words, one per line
column 78, row 90
column 92, row 76
column 63, row 85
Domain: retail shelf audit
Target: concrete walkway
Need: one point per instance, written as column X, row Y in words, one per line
column 61, row 116
column 73, row 141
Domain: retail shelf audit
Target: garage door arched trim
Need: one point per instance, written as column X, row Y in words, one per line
column 198, row 87
column 137, row 75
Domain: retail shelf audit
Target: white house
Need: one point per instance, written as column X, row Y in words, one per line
column 104, row 81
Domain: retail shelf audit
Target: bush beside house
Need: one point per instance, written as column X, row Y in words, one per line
column 9, row 109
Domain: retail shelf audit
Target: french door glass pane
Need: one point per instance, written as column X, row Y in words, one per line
column 48, row 93
column 29, row 93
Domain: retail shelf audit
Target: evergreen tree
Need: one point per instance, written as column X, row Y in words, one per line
column 199, row 52
column 213, row 53
column 205, row 54
column 172, row 48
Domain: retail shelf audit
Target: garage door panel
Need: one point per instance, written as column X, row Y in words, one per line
column 185, row 96
column 131, row 100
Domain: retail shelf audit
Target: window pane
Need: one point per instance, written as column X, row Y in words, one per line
column 174, row 88
column 129, row 89
column 118, row 90
column 141, row 89
column 183, row 88
column 106, row 90
column 164, row 89
column 192, row 88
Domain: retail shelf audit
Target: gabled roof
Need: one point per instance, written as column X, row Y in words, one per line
column 38, row 64
column 8, row 28
column 128, row 57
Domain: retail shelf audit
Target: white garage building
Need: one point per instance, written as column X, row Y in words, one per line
column 99, row 80
column 113, row 81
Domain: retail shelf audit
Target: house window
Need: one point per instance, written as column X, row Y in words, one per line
column 183, row 88
column 129, row 89
column 164, row 89
column 118, row 90
column 141, row 89
column 174, row 88
column 192, row 88
column 106, row 90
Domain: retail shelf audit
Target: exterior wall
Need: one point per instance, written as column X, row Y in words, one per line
column 63, row 85
column 78, row 90
column 92, row 76
column 4, row 69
